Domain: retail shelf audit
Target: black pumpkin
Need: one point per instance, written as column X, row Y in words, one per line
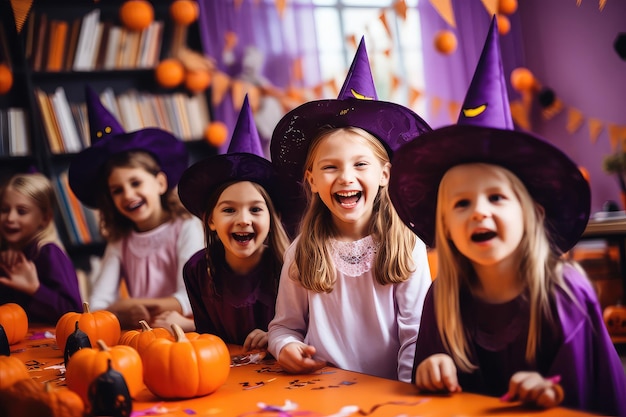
column 109, row 396
column 76, row 341
column 5, row 350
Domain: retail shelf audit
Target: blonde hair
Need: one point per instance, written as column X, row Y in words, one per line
column 313, row 266
column 113, row 224
column 540, row 269
column 39, row 189
column 277, row 237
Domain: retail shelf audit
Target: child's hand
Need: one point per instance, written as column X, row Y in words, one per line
column 437, row 373
column 531, row 387
column 296, row 357
column 130, row 312
column 21, row 273
column 257, row 339
column 167, row 318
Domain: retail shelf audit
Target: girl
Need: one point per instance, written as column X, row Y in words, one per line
column 131, row 179
column 232, row 283
column 353, row 282
column 507, row 315
column 35, row 272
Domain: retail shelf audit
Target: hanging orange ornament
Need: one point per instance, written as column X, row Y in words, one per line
column 507, row 6
column 445, row 42
column 169, row 73
column 184, row 12
column 504, row 24
column 197, row 81
column 216, row 133
column 136, row 14
column 6, row 79
column 522, row 79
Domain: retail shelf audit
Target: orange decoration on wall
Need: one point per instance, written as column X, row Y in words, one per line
column 137, row 14
column 6, row 79
column 445, row 42
column 184, row 12
column 197, row 81
column 170, row 73
column 522, row 79
column 216, row 133
column 507, row 6
column 504, row 24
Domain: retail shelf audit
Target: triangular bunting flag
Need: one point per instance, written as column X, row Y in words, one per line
column 20, row 12
column 454, row 108
column 519, row 114
column 383, row 19
column 444, row 8
column 491, row 6
column 575, row 120
column 400, row 8
column 280, row 7
column 435, row 105
column 614, row 133
column 414, row 94
column 595, row 128
column 219, row 86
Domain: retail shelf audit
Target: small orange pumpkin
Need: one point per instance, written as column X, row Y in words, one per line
column 89, row 363
column 137, row 14
column 615, row 319
column 100, row 324
column 197, row 81
column 216, row 133
column 445, row 42
column 15, row 322
column 184, row 12
column 140, row 339
column 28, row 397
column 205, row 359
column 6, row 79
column 11, row 371
column 169, row 73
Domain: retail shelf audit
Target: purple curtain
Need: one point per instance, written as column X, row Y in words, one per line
column 280, row 40
column 449, row 76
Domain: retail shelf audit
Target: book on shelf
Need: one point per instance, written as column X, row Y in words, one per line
column 83, row 58
column 80, row 222
column 4, row 133
column 63, row 114
column 41, row 45
column 49, row 122
column 19, row 134
column 113, row 41
column 58, row 40
column 72, row 43
column 65, row 210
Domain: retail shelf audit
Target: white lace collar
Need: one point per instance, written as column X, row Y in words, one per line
column 354, row 258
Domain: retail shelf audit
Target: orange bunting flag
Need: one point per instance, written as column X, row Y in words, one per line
column 519, row 113
column 595, row 128
column 352, row 41
column 230, row 41
column 553, row 109
column 575, row 120
column 614, row 135
column 238, row 90
column 332, row 84
column 444, row 8
column 623, row 136
column 220, row 84
column 601, row 4
column 491, row 6
column 435, row 106
column 318, row 90
column 454, row 108
column 387, row 52
column 254, row 97
column 579, row 2
column 400, row 8
column 20, row 12
column 395, row 83
column 383, row 19
column 414, row 94
column 280, row 7
column 297, row 72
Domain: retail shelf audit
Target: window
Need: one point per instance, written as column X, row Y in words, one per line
column 394, row 50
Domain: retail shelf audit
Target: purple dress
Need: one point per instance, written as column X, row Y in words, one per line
column 578, row 348
column 58, row 292
column 237, row 304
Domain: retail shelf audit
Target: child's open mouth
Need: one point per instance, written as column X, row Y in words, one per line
column 483, row 236
column 349, row 198
column 243, row 237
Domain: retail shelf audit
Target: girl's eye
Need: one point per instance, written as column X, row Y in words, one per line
column 328, row 167
column 256, row 209
column 136, row 183
column 494, row 198
column 22, row 212
column 361, row 164
column 228, row 210
column 116, row 191
column 461, row 203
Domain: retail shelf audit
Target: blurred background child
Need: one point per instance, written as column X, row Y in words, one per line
column 35, row 271
column 354, row 280
column 131, row 179
column 232, row 283
column 507, row 315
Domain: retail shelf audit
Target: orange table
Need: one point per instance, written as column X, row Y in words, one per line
column 326, row 393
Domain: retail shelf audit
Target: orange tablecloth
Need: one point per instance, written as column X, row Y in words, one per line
column 324, row 393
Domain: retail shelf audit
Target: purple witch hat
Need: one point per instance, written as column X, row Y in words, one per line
column 244, row 161
column 484, row 133
column 108, row 139
column 356, row 105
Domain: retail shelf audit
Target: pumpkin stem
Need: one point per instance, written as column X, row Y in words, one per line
column 76, row 326
column 103, row 346
column 145, row 327
column 179, row 334
column 86, row 307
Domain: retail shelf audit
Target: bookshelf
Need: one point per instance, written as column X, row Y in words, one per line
column 67, row 44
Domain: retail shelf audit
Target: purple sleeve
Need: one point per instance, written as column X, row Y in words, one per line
column 428, row 339
column 58, row 292
column 194, row 274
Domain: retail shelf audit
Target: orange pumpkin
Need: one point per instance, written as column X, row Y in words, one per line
column 216, row 133
column 28, row 397
column 169, row 73
column 137, row 14
column 6, row 79
column 504, row 24
column 15, row 322
column 445, row 42
column 522, row 79
column 89, row 363
column 205, row 361
column 615, row 319
column 184, row 12
column 100, row 324
column 140, row 339
column 197, row 81
column 11, row 371
column 507, row 6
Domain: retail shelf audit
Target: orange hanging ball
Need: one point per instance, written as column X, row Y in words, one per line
column 197, row 81
column 137, row 14
column 170, row 73
column 504, row 24
column 184, row 12
column 507, row 6
column 6, row 79
column 445, row 42
column 522, row 79
column 216, row 133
